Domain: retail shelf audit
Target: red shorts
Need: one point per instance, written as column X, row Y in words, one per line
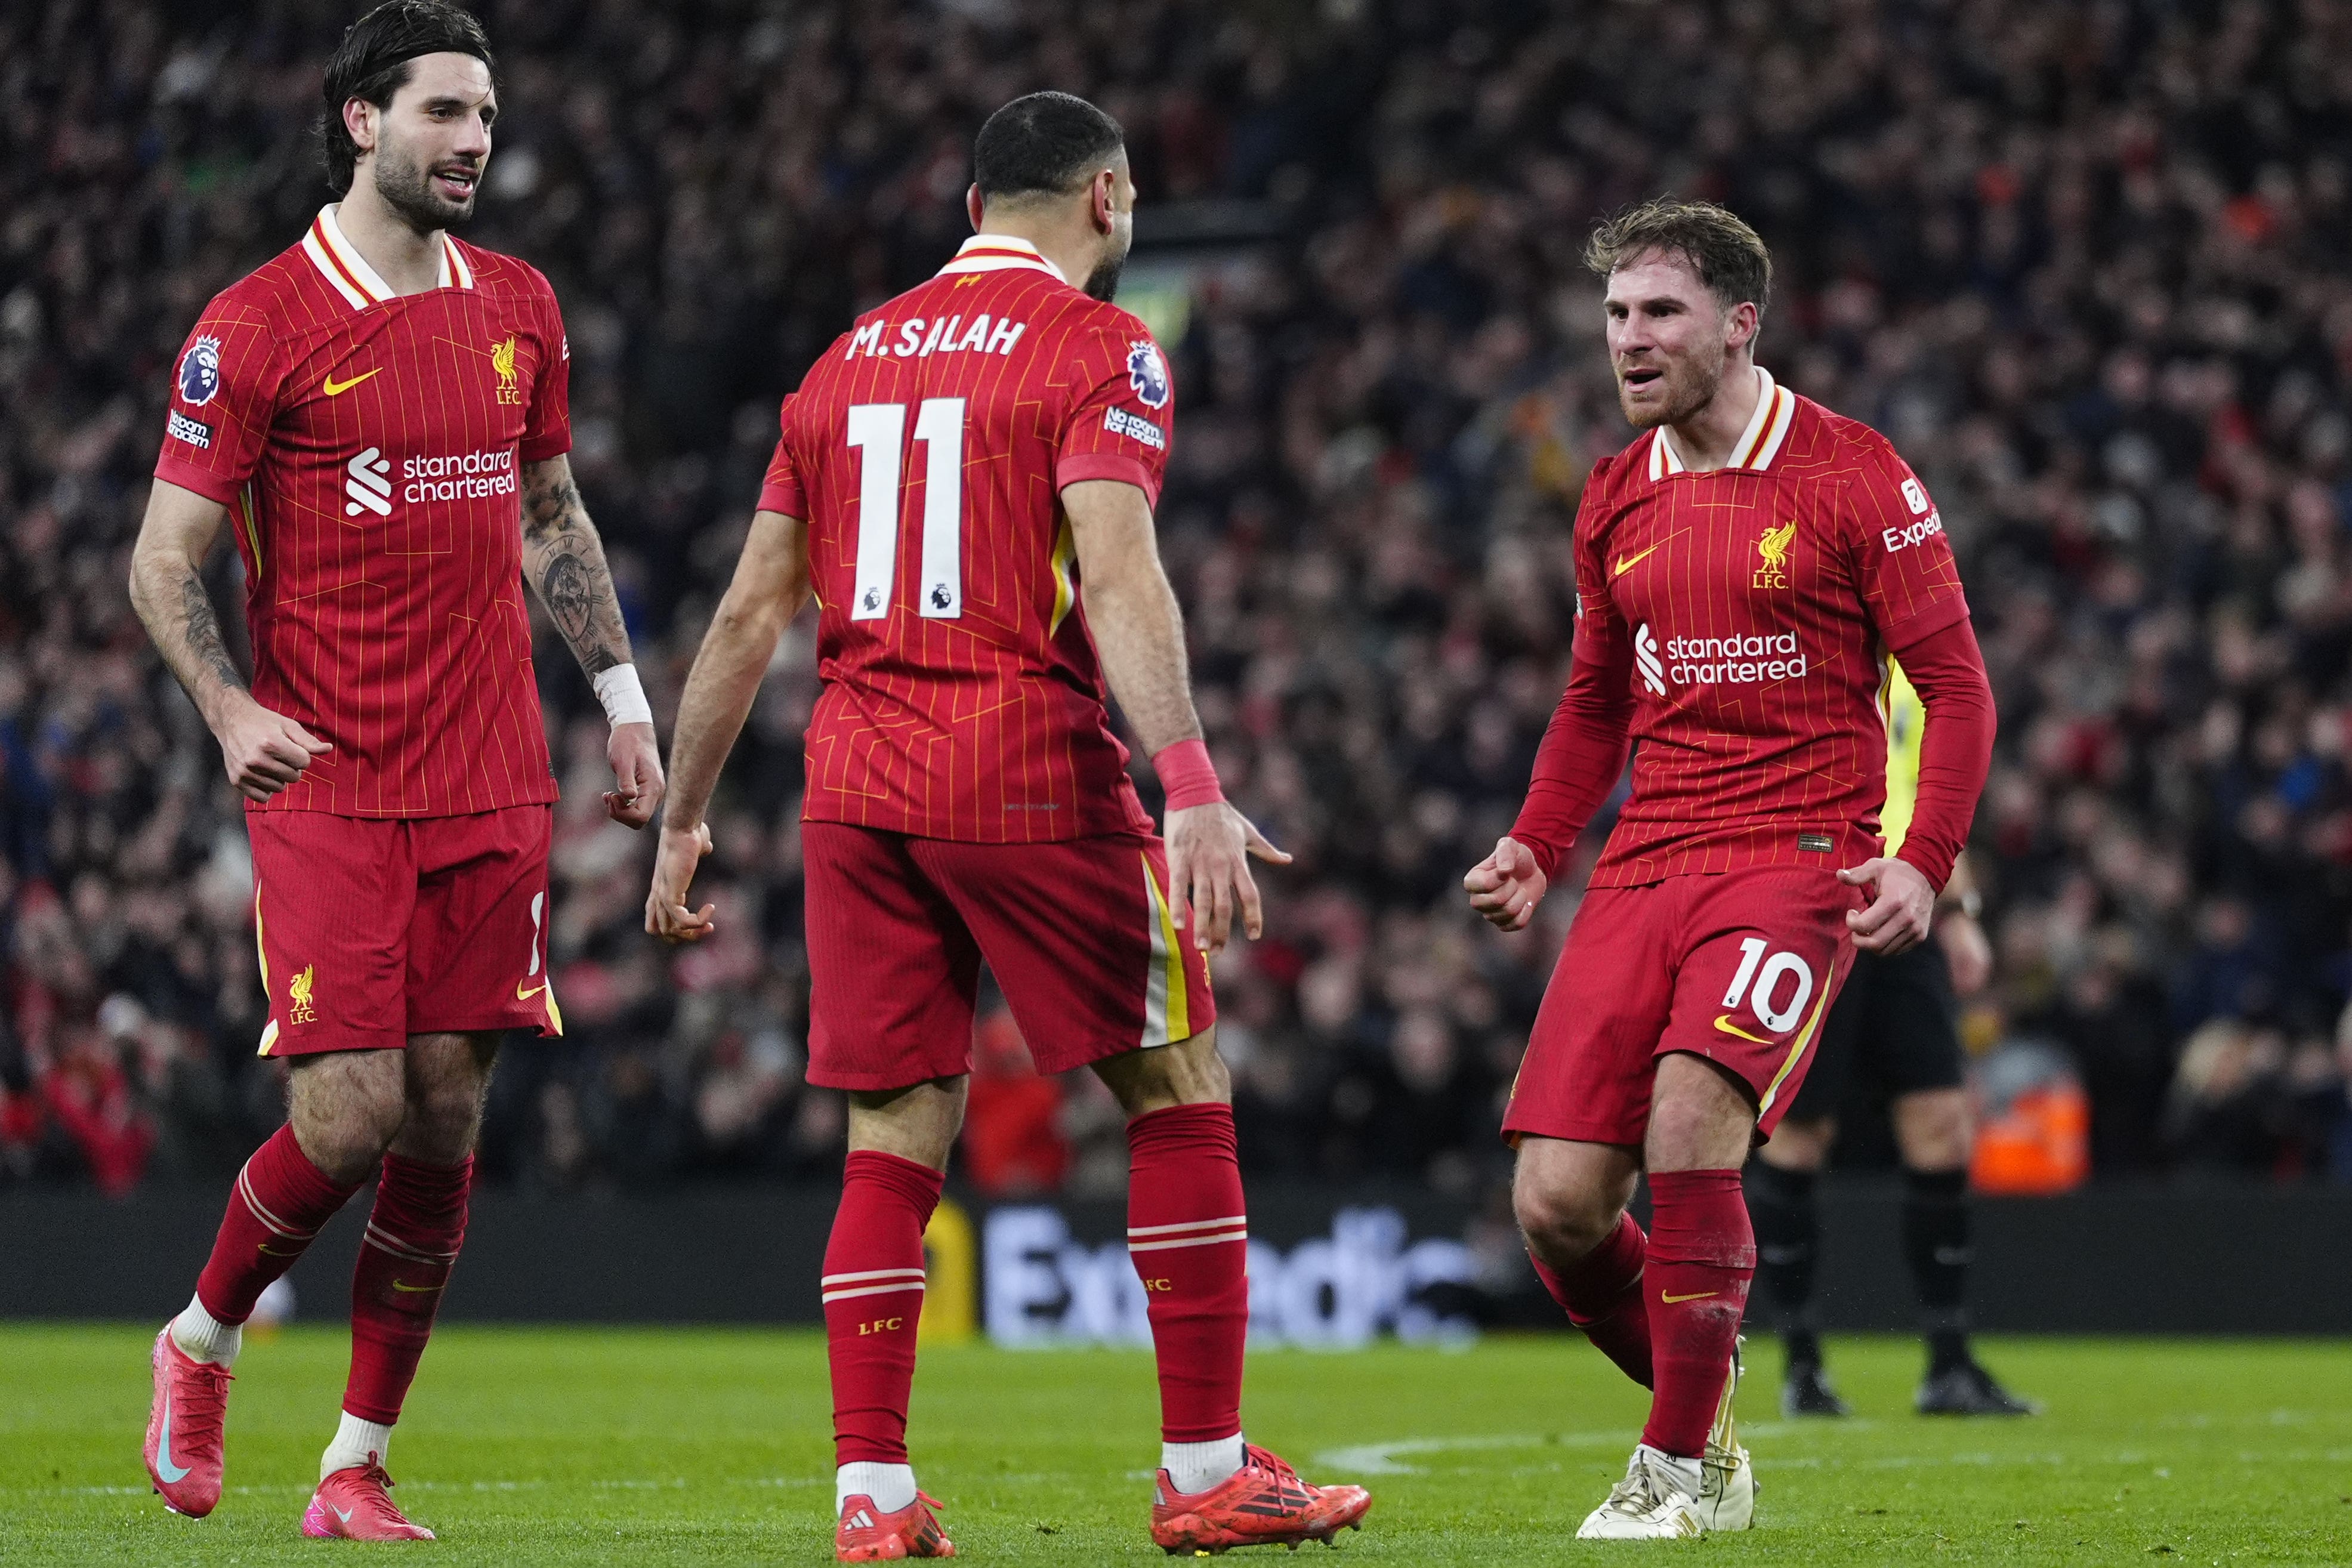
column 373, row 930
column 1736, row 966
column 1078, row 934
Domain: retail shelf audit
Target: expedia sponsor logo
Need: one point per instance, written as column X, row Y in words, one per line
column 1904, row 538
column 194, row 432
column 1733, row 661
column 1135, row 428
column 468, row 476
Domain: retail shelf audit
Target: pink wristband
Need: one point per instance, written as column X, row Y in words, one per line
column 1187, row 774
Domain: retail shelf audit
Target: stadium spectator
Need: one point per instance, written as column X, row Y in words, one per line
column 2082, row 263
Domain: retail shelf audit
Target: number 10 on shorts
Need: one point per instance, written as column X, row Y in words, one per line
column 1766, row 975
column 879, row 431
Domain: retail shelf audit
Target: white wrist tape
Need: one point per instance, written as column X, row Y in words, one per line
column 623, row 696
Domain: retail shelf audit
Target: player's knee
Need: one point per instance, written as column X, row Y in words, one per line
column 1562, row 1222
column 1189, row 1072
column 1932, row 1130
column 346, row 1111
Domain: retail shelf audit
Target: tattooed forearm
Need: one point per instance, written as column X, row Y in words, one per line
column 201, row 631
column 564, row 560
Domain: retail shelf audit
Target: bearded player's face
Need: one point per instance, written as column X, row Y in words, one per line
column 433, row 140
column 1668, row 340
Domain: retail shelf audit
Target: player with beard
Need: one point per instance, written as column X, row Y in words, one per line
column 964, row 483
column 1743, row 569
column 380, row 414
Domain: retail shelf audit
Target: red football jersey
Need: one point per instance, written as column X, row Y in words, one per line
column 927, row 449
column 368, row 447
column 1757, row 602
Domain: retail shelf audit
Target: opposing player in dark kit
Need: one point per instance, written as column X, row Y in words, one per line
column 1744, row 568
column 379, row 413
column 965, row 483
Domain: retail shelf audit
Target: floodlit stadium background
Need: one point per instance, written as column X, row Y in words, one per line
column 2085, row 264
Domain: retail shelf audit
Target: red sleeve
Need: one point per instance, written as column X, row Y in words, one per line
column 1902, row 562
column 1955, row 748
column 1583, row 752
column 548, row 432
column 223, row 398
column 781, row 490
column 1584, row 745
column 1119, row 428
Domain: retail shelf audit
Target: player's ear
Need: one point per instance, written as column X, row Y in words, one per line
column 1741, row 325
column 974, row 208
column 1104, row 196
column 359, row 122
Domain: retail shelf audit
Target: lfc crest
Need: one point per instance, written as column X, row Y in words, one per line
column 297, row 990
column 502, row 360
column 1773, row 553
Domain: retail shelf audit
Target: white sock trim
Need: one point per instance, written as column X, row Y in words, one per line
column 354, row 1440
column 1196, row 1467
column 205, row 1337
column 890, row 1486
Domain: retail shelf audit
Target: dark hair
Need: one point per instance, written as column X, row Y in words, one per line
column 373, row 61
column 1045, row 143
column 1723, row 251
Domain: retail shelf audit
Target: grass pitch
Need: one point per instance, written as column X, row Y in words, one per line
column 646, row 1446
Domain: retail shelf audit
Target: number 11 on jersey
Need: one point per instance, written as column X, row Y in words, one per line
column 879, row 431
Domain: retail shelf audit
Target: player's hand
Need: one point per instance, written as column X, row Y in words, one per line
column 1208, row 849
column 667, row 915
column 1967, row 950
column 1902, row 909
column 262, row 751
column 1506, row 886
column 637, row 789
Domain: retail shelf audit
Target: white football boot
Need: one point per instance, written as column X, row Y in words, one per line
column 1727, row 1493
column 1653, row 1502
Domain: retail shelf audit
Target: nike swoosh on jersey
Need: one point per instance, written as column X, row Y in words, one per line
column 164, row 1467
column 1723, row 1021
column 523, row 995
column 404, row 1285
column 337, row 388
column 1669, row 1297
column 1627, row 562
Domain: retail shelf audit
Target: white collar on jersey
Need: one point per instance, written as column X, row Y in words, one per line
column 1776, row 408
column 997, row 253
column 339, row 261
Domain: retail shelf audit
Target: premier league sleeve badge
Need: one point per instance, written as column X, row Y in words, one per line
column 200, row 371
column 1147, row 373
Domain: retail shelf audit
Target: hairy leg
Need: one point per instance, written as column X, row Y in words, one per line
column 1570, row 1198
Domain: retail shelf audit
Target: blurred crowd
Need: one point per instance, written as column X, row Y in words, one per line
column 2081, row 262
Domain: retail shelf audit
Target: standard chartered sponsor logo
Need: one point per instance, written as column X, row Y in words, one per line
column 1646, row 655
column 368, row 486
column 469, row 476
column 1716, row 661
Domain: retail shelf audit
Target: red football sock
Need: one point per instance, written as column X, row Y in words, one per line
column 1601, row 1294
column 1702, row 1256
column 279, row 1201
column 1188, row 1236
column 412, row 1237
column 873, row 1292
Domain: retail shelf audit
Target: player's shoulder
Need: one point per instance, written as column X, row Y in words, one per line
column 1822, row 440
column 276, row 294
column 496, row 272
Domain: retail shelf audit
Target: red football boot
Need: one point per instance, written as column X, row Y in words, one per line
column 356, row 1504
column 1263, row 1503
column 184, row 1428
column 867, row 1534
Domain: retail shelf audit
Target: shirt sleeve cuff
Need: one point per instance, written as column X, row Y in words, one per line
column 786, row 499
column 1107, row 466
column 1923, row 623
column 204, row 481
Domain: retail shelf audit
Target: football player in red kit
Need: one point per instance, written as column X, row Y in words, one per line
column 1744, row 568
column 965, row 483
column 380, row 416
